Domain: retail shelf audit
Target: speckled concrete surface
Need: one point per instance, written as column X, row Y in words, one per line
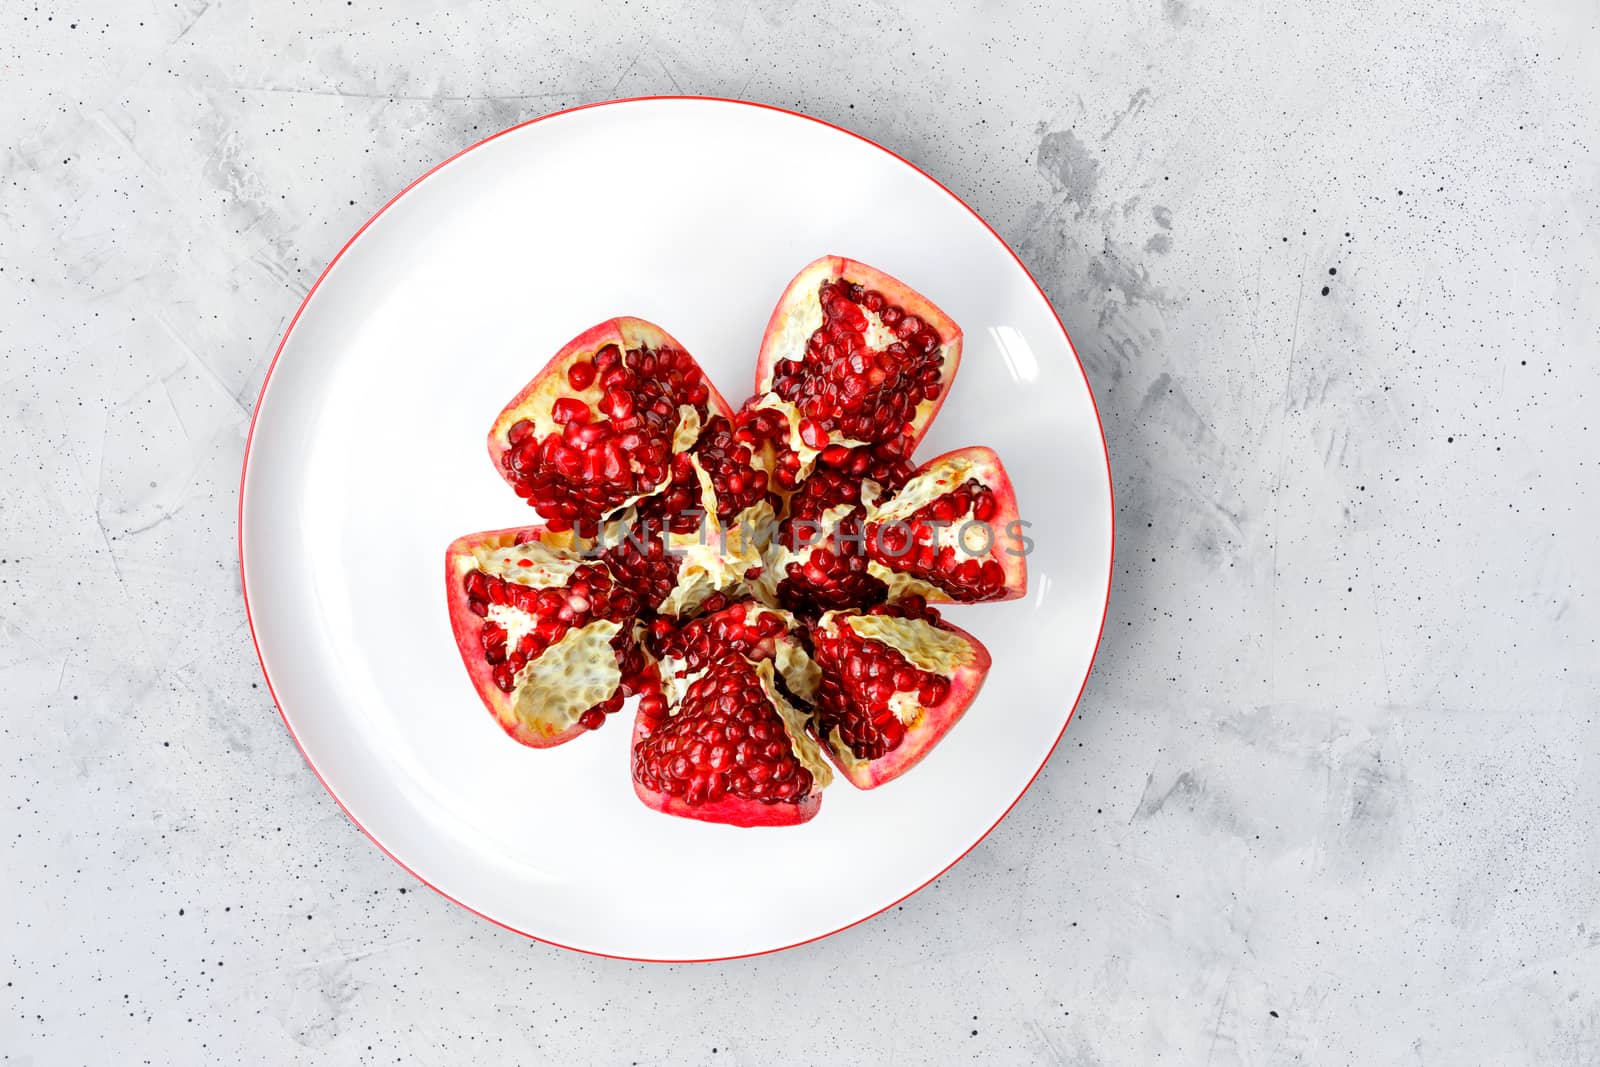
column 1331, row 796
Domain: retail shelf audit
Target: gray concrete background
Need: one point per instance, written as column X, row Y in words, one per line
column 1331, row 795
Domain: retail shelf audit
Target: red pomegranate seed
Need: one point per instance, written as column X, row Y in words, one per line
column 617, row 404
column 812, row 433
column 569, row 409
column 581, row 374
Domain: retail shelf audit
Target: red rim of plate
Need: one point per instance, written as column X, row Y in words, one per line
column 245, row 466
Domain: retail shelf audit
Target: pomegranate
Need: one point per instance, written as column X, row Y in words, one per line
column 762, row 578
column 854, row 357
column 547, row 637
column 951, row 532
column 598, row 428
column 722, row 739
column 892, row 681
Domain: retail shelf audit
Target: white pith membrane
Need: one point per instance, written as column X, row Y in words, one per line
column 568, row 678
column 704, row 569
column 925, row 646
column 794, row 721
column 746, row 539
column 927, row 487
column 800, row 319
column 548, row 564
column 800, row 672
column 687, row 433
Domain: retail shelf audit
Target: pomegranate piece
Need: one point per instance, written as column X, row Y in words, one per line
column 855, row 357
column 547, row 636
column 599, row 427
column 725, row 736
column 950, row 533
column 730, row 748
column 892, row 682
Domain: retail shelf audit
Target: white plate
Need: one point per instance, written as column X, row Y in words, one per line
column 367, row 457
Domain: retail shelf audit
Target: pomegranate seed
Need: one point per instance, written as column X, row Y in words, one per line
column 617, row 404
column 812, row 433
column 585, row 434
column 581, row 374
column 569, row 409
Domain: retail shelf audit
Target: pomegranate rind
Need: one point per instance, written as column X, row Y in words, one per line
column 936, row 477
column 536, row 400
column 927, row 726
column 799, row 312
column 733, row 811
column 460, row 558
